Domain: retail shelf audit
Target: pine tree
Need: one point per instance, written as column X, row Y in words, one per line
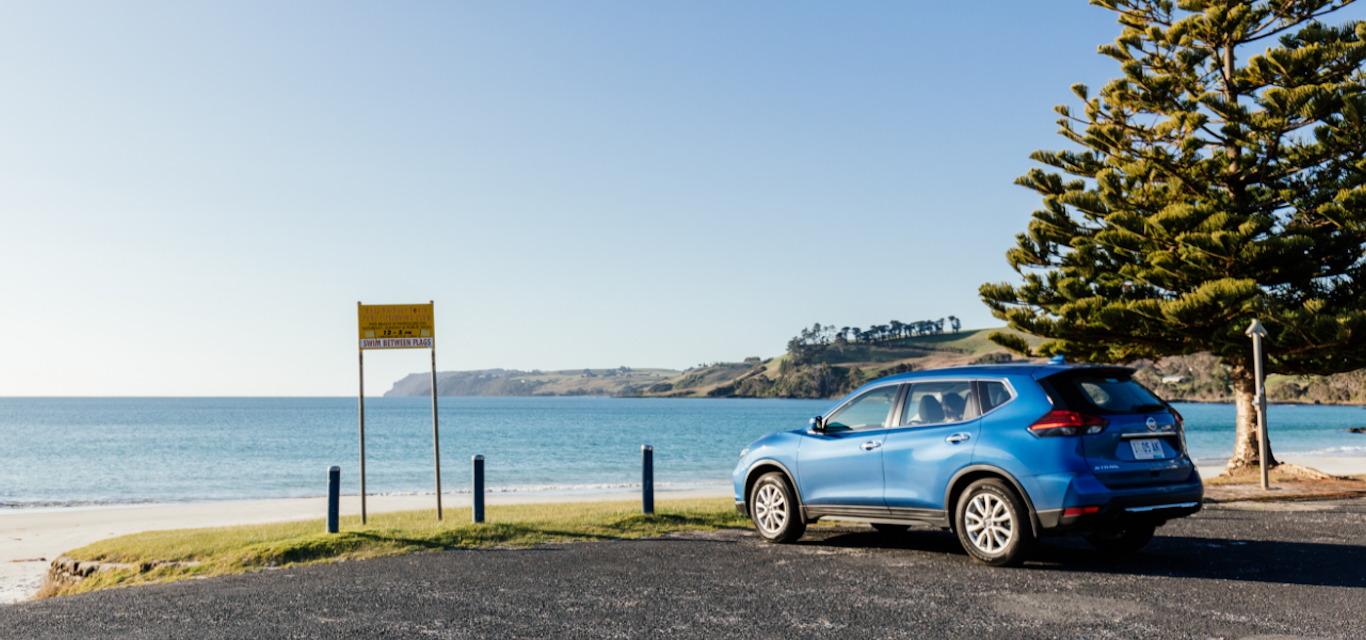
column 1222, row 178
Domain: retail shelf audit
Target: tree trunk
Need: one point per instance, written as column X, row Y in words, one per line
column 1246, row 444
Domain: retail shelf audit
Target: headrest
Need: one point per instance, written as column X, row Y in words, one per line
column 930, row 410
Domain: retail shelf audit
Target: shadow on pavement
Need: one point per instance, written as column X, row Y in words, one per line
column 927, row 540
column 1304, row 563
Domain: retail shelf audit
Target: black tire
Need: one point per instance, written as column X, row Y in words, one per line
column 774, row 509
column 1123, row 540
column 993, row 524
column 890, row 529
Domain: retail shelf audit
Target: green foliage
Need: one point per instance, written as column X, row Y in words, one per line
column 1202, row 191
column 809, row 345
column 1012, row 342
column 993, row 358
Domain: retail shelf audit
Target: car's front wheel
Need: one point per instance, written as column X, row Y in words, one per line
column 993, row 524
column 1122, row 540
column 773, row 507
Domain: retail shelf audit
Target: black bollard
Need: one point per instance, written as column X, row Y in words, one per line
column 333, row 498
column 478, row 488
column 647, row 479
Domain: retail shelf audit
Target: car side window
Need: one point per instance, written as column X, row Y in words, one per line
column 868, row 410
column 994, row 394
column 939, row 403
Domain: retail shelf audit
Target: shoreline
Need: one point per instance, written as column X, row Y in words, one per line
column 550, row 493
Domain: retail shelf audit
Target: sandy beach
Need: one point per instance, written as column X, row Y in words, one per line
column 1332, row 465
column 30, row 539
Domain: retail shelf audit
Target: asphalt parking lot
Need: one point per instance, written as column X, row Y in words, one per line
column 1245, row 570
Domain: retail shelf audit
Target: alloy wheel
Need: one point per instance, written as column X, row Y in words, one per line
column 990, row 523
column 771, row 509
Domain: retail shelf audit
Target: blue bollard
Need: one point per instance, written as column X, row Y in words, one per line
column 647, row 479
column 478, row 488
column 333, row 498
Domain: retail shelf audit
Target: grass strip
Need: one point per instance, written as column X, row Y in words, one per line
column 228, row 550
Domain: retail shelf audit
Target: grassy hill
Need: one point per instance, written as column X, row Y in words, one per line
column 841, row 367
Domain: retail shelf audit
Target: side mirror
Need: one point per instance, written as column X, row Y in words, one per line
column 817, row 424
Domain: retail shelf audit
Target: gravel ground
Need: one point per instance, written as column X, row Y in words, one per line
column 1238, row 570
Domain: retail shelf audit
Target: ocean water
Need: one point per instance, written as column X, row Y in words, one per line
column 58, row 452
column 1295, row 430
column 89, row 451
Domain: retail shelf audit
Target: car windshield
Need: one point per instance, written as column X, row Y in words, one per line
column 1105, row 393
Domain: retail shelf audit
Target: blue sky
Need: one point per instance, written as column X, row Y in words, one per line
column 194, row 196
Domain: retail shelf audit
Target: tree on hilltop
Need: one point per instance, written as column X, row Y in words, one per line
column 1222, row 178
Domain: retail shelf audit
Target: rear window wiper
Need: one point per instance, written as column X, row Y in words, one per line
column 1146, row 408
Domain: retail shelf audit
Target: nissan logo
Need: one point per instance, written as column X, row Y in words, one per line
column 1152, row 424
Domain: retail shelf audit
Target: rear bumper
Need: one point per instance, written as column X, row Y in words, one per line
column 1126, row 510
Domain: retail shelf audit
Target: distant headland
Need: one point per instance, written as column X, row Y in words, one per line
column 825, row 362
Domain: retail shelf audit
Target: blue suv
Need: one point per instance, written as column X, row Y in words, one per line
column 1000, row 454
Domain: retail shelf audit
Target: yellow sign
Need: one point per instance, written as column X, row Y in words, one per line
column 397, row 326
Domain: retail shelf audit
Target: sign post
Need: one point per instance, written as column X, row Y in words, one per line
column 398, row 326
column 436, row 436
column 1257, row 331
column 363, row 519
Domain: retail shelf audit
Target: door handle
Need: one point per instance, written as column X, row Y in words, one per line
column 958, row 437
column 871, row 444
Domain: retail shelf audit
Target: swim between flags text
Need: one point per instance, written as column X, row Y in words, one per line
column 397, row 343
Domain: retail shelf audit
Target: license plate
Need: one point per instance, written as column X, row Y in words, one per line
column 1147, row 449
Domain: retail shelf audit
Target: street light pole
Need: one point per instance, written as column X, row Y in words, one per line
column 1257, row 331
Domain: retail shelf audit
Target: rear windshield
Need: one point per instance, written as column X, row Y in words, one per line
column 1103, row 392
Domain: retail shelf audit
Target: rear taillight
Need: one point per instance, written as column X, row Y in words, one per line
column 1059, row 422
column 1180, row 426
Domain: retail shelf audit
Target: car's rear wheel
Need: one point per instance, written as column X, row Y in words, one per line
column 774, row 509
column 890, row 529
column 1121, row 540
column 993, row 524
